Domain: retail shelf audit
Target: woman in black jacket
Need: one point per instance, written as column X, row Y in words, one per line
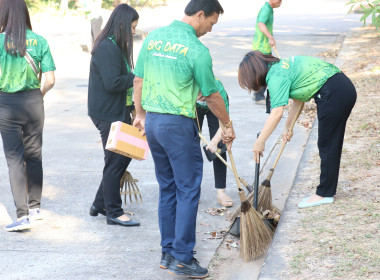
column 110, row 99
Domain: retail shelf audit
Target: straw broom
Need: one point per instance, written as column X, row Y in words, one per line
column 265, row 193
column 254, row 234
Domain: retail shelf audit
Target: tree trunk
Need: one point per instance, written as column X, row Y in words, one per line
column 118, row 2
column 64, row 5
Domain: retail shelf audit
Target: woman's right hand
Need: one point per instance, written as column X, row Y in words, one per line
column 212, row 147
column 258, row 149
column 287, row 134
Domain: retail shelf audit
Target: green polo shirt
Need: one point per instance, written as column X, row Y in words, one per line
column 174, row 66
column 260, row 41
column 222, row 92
column 15, row 72
column 297, row 77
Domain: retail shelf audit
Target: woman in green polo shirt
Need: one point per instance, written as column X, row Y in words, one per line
column 220, row 169
column 300, row 78
column 23, row 55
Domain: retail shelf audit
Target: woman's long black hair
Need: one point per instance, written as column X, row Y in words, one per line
column 14, row 20
column 119, row 25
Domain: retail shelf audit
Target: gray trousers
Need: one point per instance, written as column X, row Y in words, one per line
column 21, row 124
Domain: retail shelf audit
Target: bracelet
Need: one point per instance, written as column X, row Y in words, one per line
column 229, row 124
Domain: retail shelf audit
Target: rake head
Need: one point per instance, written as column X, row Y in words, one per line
column 128, row 187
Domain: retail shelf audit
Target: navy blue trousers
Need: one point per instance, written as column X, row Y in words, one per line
column 335, row 101
column 174, row 143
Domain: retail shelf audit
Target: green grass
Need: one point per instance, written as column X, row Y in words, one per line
column 298, row 262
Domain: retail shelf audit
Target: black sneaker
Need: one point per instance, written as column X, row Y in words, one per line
column 192, row 269
column 166, row 260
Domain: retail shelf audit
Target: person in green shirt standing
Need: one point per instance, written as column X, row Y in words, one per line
column 263, row 39
column 23, row 56
column 172, row 67
column 300, row 78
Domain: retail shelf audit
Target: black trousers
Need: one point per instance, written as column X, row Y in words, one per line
column 220, row 169
column 108, row 194
column 335, row 101
column 21, row 125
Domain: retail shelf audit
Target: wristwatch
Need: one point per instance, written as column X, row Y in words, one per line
column 228, row 125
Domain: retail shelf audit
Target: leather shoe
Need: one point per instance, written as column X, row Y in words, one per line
column 94, row 211
column 115, row 221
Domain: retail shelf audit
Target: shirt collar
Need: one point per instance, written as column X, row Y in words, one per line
column 184, row 26
column 266, row 3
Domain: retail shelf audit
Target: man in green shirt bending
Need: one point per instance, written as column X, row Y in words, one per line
column 172, row 67
column 263, row 39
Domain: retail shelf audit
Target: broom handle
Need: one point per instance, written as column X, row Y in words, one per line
column 256, row 184
column 275, row 50
column 240, row 190
column 244, row 182
column 216, row 153
column 291, row 127
column 234, row 170
column 256, row 194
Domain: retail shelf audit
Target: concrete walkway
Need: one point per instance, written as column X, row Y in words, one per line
column 68, row 243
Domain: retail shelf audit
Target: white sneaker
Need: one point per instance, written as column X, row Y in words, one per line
column 35, row 214
column 19, row 225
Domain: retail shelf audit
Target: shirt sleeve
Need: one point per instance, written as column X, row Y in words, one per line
column 47, row 62
column 204, row 75
column 263, row 15
column 279, row 91
column 139, row 67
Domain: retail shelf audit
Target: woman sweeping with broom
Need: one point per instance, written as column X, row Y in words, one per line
column 300, row 78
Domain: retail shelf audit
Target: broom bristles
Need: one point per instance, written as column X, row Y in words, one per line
column 261, row 196
column 265, row 196
column 254, row 234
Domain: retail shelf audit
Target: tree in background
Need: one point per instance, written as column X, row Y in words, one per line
column 368, row 8
column 64, row 5
column 117, row 2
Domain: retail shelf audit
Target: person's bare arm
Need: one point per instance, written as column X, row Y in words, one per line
column 139, row 121
column 49, row 82
column 213, row 144
column 218, row 108
column 270, row 124
column 287, row 134
column 263, row 28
